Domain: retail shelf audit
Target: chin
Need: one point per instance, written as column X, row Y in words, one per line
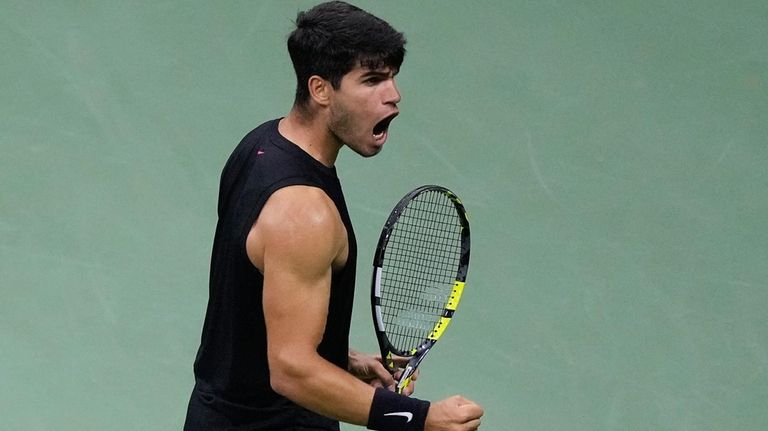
column 367, row 151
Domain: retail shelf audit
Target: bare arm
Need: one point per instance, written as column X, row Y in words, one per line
column 297, row 241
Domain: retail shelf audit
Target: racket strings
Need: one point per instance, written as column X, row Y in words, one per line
column 419, row 268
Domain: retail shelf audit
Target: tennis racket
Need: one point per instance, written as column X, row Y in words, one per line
column 419, row 270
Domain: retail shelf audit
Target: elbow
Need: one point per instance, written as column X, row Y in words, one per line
column 281, row 383
column 287, row 374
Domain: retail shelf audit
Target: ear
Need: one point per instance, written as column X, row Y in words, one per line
column 319, row 90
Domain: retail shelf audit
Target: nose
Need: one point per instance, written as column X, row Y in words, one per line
column 391, row 92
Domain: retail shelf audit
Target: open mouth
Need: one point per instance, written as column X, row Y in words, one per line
column 380, row 129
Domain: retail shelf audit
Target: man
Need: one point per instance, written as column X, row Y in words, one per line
column 274, row 353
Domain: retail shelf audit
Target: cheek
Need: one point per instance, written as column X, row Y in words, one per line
column 348, row 118
column 339, row 115
column 342, row 124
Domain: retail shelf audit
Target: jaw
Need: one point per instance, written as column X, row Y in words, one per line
column 345, row 127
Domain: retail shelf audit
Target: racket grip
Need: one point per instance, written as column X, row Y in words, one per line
column 405, row 379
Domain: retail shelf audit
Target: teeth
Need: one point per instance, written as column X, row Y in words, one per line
column 382, row 127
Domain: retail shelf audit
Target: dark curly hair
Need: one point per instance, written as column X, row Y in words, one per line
column 333, row 38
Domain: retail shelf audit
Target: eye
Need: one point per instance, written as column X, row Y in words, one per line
column 375, row 78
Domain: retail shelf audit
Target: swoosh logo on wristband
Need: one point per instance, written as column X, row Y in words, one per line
column 407, row 415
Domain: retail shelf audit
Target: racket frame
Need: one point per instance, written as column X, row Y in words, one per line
column 416, row 355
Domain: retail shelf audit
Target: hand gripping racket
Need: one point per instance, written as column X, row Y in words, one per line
column 419, row 270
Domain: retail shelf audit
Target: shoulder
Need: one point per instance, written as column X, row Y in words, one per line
column 243, row 153
column 298, row 222
column 267, row 128
column 259, row 134
column 300, row 207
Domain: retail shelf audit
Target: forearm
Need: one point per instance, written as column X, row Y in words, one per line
column 318, row 385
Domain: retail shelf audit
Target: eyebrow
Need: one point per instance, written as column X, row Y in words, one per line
column 380, row 73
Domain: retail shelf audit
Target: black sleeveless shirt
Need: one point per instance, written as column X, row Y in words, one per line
column 231, row 363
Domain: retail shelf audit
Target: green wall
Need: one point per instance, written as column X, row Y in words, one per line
column 613, row 156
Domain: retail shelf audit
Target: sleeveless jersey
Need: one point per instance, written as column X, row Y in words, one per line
column 231, row 366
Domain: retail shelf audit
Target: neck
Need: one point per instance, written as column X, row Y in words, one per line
column 309, row 131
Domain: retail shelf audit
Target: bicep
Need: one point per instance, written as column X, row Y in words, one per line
column 295, row 303
column 300, row 239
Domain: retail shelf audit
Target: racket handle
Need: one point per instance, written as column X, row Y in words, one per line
column 405, row 379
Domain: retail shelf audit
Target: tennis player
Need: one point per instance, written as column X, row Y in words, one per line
column 274, row 351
